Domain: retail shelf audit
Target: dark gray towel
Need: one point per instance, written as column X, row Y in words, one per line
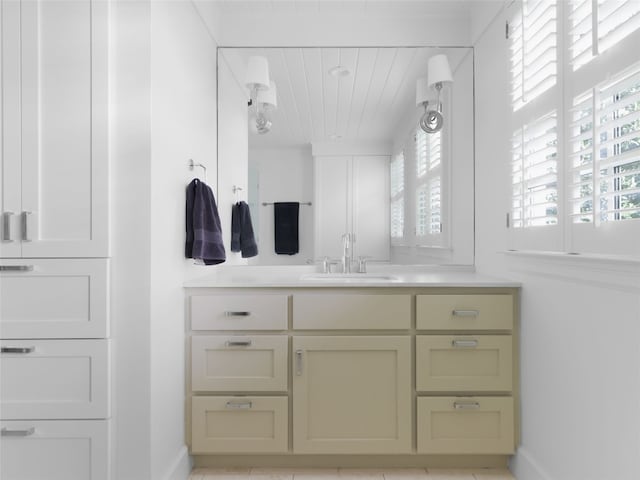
column 242, row 238
column 286, row 227
column 204, row 235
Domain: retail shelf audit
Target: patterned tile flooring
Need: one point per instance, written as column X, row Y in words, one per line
column 349, row 474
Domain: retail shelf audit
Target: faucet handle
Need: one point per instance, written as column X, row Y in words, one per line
column 362, row 263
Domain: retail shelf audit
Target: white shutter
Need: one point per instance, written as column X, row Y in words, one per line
column 397, row 175
column 397, row 218
column 597, row 25
column 435, row 207
column 422, row 162
column 535, row 174
column 422, row 211
column 533, row 36
column 607, row 189
column 397, row 196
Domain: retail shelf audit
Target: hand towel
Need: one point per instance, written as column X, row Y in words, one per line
column 286, row 227
column 242, row 237
column 204, row 233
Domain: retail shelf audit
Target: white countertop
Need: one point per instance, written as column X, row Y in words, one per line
column 243, row 276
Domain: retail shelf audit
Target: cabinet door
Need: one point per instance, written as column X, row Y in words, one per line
column 10, row 202
column 332, row 204
column 55, row 450
column 351, row 395
column 371, row 206
column 64, row 128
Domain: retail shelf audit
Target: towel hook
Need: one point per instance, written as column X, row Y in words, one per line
column 235, row 191
column 192, row 165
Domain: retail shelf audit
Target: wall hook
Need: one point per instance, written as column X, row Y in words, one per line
column 192, row 165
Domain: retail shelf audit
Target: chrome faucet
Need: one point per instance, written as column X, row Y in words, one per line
column 346, row 253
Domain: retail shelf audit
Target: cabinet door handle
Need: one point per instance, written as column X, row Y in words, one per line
column 238, row 343
column 236, row 314
column 25, row 226
column 5, row 432
column 6, row 226
column 298, row 362
column 465, row 313
column 23, row 350
column 464, row 343
column 466, row 405
column 16, row 268
column 238, row 405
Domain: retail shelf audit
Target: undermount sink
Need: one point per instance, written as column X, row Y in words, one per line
column 348, row 277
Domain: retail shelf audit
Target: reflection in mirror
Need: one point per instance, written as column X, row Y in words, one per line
column 344, row 137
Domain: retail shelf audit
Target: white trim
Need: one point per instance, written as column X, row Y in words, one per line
column 524, row 467
column 181, row 467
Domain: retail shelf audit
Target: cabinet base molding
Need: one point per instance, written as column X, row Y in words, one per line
column 352, row 461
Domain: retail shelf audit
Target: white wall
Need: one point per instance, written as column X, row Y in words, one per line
column 183, row 127
column 285, row 175
column 580, row 365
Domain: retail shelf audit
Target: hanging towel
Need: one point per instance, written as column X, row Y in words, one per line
column 286, row 227
column 204, row 235
column 242, row 238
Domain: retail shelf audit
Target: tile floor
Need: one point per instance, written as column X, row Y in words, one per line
column 349, row 474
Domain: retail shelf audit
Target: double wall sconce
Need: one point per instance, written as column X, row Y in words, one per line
column 439, row 74
column 263, row 94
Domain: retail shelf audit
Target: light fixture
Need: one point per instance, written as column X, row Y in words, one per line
column 339, row 71
column 257, row 77
column 439, row 74
column 266, row 101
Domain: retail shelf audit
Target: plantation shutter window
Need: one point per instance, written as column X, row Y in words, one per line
column 397, row 196
column 428, row 194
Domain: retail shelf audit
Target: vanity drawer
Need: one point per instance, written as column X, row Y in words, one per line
column 55, row 450
column 351, row 312
column 464, row 363
column 239, row 312
column 465, row 425
column 54, row 379
column 239, row 424
column 242, row 363
column 50, row 298
column 464, row 312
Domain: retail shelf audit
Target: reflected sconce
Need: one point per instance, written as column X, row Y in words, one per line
column 439, row 74
column 262, row 94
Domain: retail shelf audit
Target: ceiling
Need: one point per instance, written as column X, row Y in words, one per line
column 369, row 104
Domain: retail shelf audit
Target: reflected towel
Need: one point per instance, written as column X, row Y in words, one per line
column 204, row 233
column 242, row 237
column 286, row 227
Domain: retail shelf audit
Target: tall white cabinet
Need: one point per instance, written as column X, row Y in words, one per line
column 352, row 196
column 54, row 237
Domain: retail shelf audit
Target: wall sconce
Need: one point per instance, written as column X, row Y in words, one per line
column 262, row 94
column 439, row 73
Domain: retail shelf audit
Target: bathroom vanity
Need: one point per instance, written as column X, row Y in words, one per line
column 402, row 370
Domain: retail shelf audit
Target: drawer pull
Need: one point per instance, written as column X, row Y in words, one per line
column 236, row 314
column 464, row 343
column 466, row 405
column 26, row 237
column 16, row 268
column 465, row 313
column 238, row 405
column 17, row 349
column 17, row 433
column 6, row 226
column 238, row 343
column 298, row 362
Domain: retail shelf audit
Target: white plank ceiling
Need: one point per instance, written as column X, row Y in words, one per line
column 369, row 104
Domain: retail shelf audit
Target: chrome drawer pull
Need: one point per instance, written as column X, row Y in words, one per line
column 238, row 343
column 25, row 226
column 6, row 227
column 16, row 268
column 298, row 362
column 237, row 314
column 17, row 433
column 238, row 405
column 17, row 349
column 465, row 313
column 464, row 343
column 466, row 405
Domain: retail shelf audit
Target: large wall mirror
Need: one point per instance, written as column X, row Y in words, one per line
column 342, row 138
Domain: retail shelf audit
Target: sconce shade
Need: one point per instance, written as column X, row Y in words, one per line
column 257, row 73
column 423, row 92
column 439, row 70
column 269, row 96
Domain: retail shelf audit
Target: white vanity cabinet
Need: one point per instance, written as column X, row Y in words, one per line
column 54, row 169
column 386, row 372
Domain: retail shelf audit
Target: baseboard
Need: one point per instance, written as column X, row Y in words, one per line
column 524, row 467
column 181, row 468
